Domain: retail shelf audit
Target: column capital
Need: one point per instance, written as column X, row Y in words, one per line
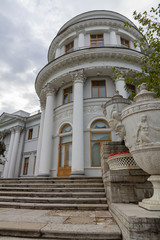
column 78, row 76
column 12, row 130
column 18, row 128
column 49, row 89
column 42, row 103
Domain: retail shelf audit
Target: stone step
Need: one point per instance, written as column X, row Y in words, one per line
column 54, row 200
column 54, row 185
column 69, row 180
column 54, row 206
column 50, row 189
column 55, row 194
column 51, row 178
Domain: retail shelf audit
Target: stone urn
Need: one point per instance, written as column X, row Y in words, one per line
column 140, row 125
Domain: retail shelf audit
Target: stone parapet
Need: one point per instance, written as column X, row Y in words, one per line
column 136, row 223
column 123, row 185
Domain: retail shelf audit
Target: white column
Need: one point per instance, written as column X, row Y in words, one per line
column 40, row 141
column 47, row 142
column 120, row 87
column 7, row 163
column 81, row 40
column 58, row 53
column 77, row 138
column 113, row 38
column 13, row 159
column 19, row 154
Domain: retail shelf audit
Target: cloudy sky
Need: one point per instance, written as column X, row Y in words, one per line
column 27, row 28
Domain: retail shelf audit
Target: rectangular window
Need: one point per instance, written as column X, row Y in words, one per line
column 97, row 139
column 98, row 88
column 67, row 95
column 124, row 42
column 25, row 167
column 96, row 40
column 30, row 133
column 69, row 47
column 131, row 89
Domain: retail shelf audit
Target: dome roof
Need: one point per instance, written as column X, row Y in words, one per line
column 96, row 14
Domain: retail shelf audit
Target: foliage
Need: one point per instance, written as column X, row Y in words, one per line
column 149, row 27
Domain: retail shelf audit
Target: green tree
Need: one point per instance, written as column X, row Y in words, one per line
column 149, row 27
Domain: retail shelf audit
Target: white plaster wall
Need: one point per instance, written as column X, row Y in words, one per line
column 31, row 157
column 76, row 43
column 87, row 40
column 110, row 87
column 87, row 89
column 106, row 38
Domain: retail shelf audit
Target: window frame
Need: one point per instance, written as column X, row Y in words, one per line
column 94, row 130
column 96, row 40
column 124, row 44
column 68, row 93
column 61, row 135
column 25, row 166
column 30, row 134
column 131, row 91
column 71, row 47
column 98, row 89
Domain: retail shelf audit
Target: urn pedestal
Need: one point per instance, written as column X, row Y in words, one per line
column 141, row 121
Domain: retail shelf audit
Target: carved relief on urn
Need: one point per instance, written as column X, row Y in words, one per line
column 142, row 125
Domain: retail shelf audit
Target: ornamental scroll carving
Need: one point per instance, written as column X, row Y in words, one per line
column 48, row 89
column 78, row 76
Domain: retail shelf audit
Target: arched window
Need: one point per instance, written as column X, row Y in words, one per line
column 65, row 151
column 100, row 132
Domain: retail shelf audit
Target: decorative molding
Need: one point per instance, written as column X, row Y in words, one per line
column 63, row 115
column 141, row 107
column 18, row 128
column 112, row 23
column 78, row 76
column 92, row 109
column 49, row 89
column 80, row 57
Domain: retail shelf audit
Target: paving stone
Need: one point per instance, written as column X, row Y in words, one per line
column 80, row 220
column 103, row 214
column 23, row 226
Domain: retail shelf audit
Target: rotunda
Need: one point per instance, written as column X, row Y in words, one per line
column 74, row 84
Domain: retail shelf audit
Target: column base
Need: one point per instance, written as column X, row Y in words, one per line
column 77, row 174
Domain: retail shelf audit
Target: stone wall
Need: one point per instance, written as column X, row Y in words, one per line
column 123, row 186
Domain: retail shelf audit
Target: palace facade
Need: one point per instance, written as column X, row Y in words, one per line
column 64, row 139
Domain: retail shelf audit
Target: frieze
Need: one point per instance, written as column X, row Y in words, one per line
column 93, row 109
column 62, row 115
column 140, row 108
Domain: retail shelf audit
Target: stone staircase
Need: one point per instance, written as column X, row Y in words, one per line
column 53, row 193
column 64, row 208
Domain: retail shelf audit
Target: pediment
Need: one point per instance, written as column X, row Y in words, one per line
column 6, row 117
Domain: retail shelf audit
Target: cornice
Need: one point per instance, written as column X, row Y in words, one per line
column 75, row 59
column 113, row 23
